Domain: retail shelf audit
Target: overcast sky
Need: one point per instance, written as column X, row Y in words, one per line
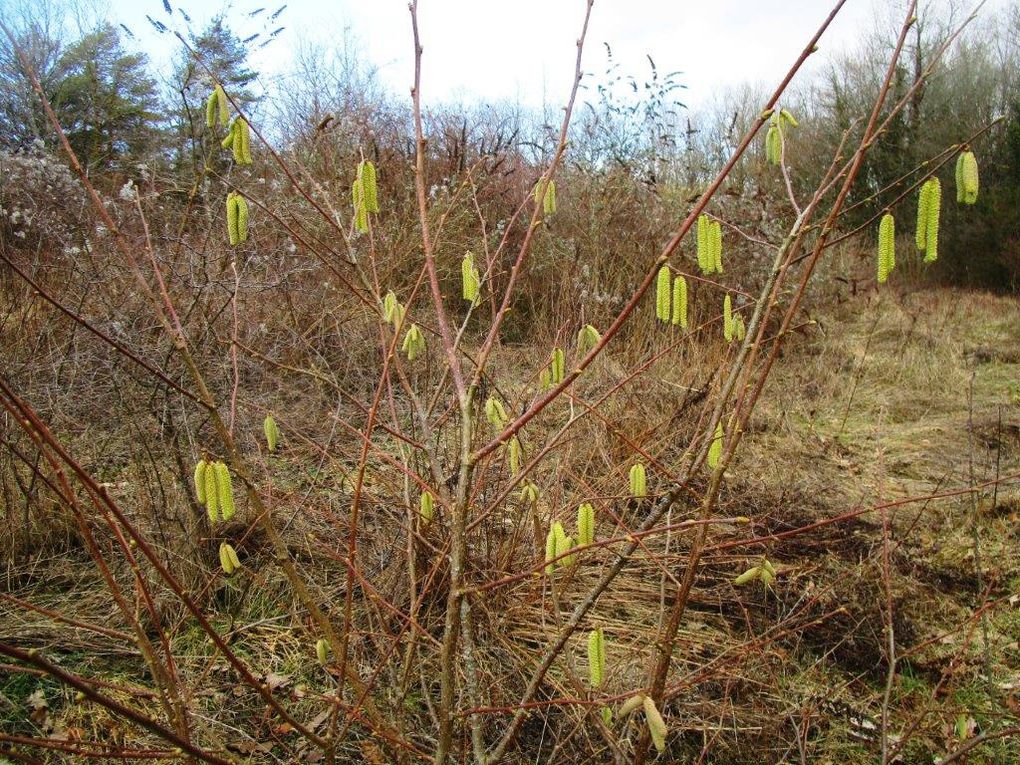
column 524, row 49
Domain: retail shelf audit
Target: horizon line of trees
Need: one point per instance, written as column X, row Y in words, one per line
column 119, row 119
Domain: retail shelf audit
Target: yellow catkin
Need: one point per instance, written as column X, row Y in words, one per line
column 544, row 378
column 225, row 490
column 705, row 262
column 959, row 179
column 931, row 226
column 715, row 239
column 370, row 191
column 549, row 201
column 967, row 178
column 470, row 279
column 596, row 657
column 242, row 218
column 748, row 576
column 663, row 289
column 773, row 145
column 222, row 104
column 585, row 524
column 237, row 144
column 358, row 203
column 557, row 371
column 550, row 550
column 785, row 116
column 727, row 314
column 515, row 451
column 272, row 432
column 200, row 469
column 632, row 704
column 426, row 508
column 680, row 301
column 495, row 413
column 414, row 343
column 587, row 338
column 715, row 448
column 212, row 493
column 230, row 137
column 656, row 725
column 244, row 134
column 638, row 481
column 392, row 310
column 228, row 559
column 563, row 544
column 211, row 108
column 886, row 247
column 529, row 494
column 923, row 201
column 607, row 716
column 321, row 650
column 225, row 563
column 232, row 219
column 739, row 330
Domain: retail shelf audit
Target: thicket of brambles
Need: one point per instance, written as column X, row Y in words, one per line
column 434, row 406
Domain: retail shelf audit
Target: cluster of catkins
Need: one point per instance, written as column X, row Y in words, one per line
column 238, row 140
column 929, row 204
column 215, row 490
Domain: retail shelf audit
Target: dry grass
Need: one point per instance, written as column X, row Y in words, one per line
column 755, row 670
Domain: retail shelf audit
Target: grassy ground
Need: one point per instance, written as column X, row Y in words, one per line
column 893, row 402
